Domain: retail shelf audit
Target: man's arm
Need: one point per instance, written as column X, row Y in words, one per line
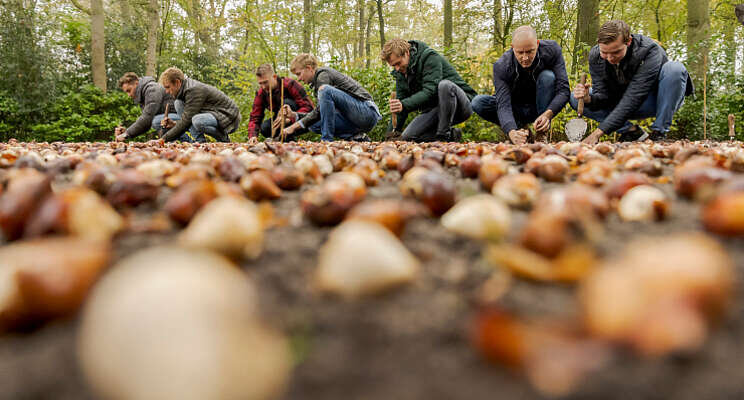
column 432, row 75
column 502, row 93
column 638, row 89
column 314, row 116
column 153, row 99
column 194, row 103
column 257, row 115
column 400, row 93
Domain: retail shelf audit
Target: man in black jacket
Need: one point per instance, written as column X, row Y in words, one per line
column 152, row 99
column 631, row 79
column 203, row 109
column 531, row 86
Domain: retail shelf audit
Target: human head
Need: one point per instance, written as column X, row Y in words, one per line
column 524, row 45
column 128, row 83
column 397, row 53
column 266, row 76
column 304, row 66
column 171, row 79
column 613, row 40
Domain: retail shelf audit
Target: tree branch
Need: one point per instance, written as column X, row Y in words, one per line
column 80, row 6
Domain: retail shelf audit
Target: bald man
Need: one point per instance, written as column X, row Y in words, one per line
column 531, row 86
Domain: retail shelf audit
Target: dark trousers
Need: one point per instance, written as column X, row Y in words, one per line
column 266, row 124
column 453, row 108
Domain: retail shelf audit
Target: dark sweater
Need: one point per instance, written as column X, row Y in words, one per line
column 202, row 98
column 329, row 76
column 152, row 98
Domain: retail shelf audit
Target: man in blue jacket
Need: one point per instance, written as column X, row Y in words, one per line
column 631, row 79
column 531, row 86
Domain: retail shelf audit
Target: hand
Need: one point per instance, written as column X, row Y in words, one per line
column 542, row 123
column 119, row 130
column 582, row 91
column 285, row 113
column 121, row 137
column 518, row 136
column 291, row 129
column 167, row 123
column 395, row 106
column 593, row 137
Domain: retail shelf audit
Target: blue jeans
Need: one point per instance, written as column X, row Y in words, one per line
column 201, row 124
column 488, row 106
column 342, row 115
column 663, row 103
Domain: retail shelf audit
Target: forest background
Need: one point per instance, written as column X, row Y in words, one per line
column 61, row 59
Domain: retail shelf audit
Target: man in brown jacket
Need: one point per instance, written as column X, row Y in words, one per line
column 204, row 109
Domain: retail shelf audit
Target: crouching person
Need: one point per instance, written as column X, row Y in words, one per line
column 631, row 79
column 530, row 86
column 269, row 97
column 202, row 109
column 345, row 109
column 152, row 100
column 425, row 81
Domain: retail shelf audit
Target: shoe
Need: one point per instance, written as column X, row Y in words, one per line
column 456, row 135
column 361, row 137
column 657, row 136
column 634, row 134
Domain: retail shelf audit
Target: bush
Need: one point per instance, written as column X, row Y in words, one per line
column 86, row 115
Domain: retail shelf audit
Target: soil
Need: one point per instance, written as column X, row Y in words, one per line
column 412, row 342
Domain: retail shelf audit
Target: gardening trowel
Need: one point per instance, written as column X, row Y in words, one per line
column 576, row 128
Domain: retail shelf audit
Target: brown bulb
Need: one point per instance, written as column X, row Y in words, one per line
column 470, row 166
column 258, row 186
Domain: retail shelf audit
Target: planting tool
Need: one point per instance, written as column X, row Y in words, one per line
column 732, row 127
column 576, row 128
column 394, row 119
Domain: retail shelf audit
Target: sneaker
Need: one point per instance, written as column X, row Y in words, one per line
column 657, row 136
column 361, row 137
column 634, row 134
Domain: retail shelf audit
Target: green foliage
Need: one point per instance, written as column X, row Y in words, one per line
column 86, row 115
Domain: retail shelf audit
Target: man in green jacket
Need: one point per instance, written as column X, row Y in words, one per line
column 203, row 109
column 425, row 81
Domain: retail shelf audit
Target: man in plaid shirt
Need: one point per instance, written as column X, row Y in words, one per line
column 294, row 96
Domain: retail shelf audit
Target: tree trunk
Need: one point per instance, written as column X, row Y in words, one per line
column 97, row 43
column 152, row 38
column 447, row 24
column 497, row 25
column 308, row 16
column 729, row 45
column 381, row 22
column 360, row 36
column 698, row 33
column 367, row 34
column 587, row 27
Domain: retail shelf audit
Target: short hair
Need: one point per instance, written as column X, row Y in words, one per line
column 264, row 69
column 129, row 77
column 171, row 74
column 303, row 60
column 395, row 46
column 524, row 30
column 611, row 30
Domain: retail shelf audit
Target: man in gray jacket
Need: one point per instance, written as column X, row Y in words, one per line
column 632, row 78
column 203, row 109
column 345, row 109
column 152, row 99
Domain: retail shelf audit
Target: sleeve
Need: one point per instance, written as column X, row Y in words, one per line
column 257, row 115
column 599, row 93
column 562, row 89
column 194, row 99
column 298, row 94
column 502, row 93
column 314, row 116
column 638, row 89
column 432, row 75
column 153, row 100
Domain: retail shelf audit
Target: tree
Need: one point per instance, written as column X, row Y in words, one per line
column 587, row 28
column 97, row 40
column 152, row 37
column 698, row 34
column 447, row 24
column 306, row 25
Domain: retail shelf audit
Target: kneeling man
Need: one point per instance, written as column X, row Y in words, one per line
column 530, row 86
column 632, row 78
column 152, row 99
column 425, row 81
column 203, row 109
